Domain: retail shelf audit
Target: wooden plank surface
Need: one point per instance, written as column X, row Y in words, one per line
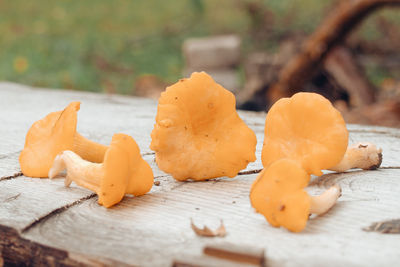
column 53, row 223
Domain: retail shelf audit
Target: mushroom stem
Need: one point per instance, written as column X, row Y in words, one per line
column 88, row 150
column 365, row 156
column 82, row 172
column 322, row 203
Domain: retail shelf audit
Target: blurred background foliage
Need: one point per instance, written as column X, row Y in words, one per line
column 102, row 45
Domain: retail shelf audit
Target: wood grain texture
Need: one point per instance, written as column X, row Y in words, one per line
column 42, row 222
column 153, row 229
column 17, row 251
column 24, row 200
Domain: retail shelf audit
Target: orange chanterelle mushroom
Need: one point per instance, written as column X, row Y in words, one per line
column 198, row 133
column 122, row 172
column 53, row 134
column 278, row 194
column 307, row 129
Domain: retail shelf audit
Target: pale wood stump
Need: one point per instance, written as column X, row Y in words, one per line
column 43, row 222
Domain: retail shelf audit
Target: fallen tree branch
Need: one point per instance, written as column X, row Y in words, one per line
column 343, row 67
column 332, row 31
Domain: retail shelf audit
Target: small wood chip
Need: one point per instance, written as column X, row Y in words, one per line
column 236, row 253
column 15, row 175
column 205, row 231
column 385, row 227
column 204, row 261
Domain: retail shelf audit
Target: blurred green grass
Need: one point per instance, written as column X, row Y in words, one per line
column 100, row 45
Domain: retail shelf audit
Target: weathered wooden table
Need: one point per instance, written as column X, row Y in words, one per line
column 43, row 222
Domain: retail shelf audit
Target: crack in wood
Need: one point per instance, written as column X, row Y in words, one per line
column 147, row 153
column 12, row 198
column 250, row 172
column 214, row 179
column 15, row 175
column 55, row 212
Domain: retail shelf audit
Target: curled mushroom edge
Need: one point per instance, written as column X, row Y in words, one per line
column 53, row 134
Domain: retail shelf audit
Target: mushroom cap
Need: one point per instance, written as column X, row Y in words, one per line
column 124, row 171
column 46, row 138
column 198, row 133
column 306, row 128
column 278, row 194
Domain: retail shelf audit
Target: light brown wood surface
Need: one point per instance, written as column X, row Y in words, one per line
column 43, row 222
